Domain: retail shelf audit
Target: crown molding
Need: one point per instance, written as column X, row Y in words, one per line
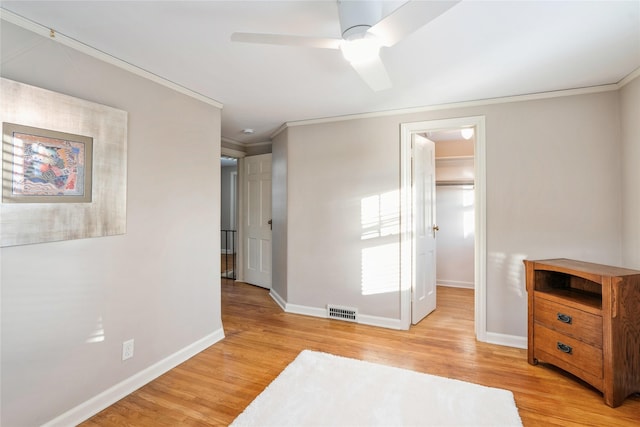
column 79, row 46
column 231, row 141
column 225, row 151
column 629, row 78
column 280, row 129
column 258, row 144
column 466, row 104
column 52, row 34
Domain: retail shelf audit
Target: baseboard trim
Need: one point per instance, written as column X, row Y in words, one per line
column 108, row 397
column 383, row 322
column 506, row 340
column 455, row 284
column 363, row 319
column 306, row 310
column 278, row 299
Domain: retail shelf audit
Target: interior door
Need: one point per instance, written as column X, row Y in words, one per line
column 423, row 289
column 257, row 220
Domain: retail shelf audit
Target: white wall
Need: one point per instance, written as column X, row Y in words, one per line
column 553, row 190
column 456, row 236
column 334, row 171
column 68, row 306
column 630, row 106
column 455, row 215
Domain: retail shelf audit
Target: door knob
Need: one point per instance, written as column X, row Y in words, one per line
column 270, row 222
column 436, row 228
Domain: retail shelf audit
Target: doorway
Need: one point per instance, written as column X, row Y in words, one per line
column 408, row 130
column 454, row 188
column 228, row 216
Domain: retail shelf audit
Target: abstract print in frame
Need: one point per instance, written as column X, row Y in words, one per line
column 68, row 194
column 46, row 166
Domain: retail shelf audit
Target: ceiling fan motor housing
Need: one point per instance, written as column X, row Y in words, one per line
column 356, row 17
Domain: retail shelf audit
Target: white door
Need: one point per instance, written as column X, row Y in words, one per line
column 423, row 289
column 257, row 220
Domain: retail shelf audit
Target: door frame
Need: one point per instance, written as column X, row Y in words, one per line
column 240, row 155
column 406, row 221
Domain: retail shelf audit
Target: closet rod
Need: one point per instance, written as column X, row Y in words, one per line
column 443, row 183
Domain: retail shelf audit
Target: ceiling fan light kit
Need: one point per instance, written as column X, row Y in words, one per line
column 364, row 31
column 361, row 49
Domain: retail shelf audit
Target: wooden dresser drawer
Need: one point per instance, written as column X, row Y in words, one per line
column 577, row 324
column 584, row 318
column 568, row 353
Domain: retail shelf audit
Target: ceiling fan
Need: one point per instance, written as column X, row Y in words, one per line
column 364, row 32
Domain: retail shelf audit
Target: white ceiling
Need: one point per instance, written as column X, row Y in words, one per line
column 476, row 50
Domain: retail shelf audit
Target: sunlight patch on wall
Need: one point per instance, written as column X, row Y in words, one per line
column 98, row 333
column 380, row 215
column 512, row 270
column 380, row 269
column 380, row 219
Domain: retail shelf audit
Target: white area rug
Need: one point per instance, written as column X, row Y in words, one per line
column 319, row 389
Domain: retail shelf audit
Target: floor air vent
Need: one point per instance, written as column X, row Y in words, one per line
column 342, row 313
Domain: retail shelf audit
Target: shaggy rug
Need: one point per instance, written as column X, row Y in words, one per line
column 320, row 389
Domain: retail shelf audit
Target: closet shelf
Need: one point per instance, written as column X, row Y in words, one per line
column 453, row 158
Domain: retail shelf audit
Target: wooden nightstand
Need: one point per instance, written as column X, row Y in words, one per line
column 585, row 319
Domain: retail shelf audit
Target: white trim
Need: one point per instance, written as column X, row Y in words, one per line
column 406, row 228
column 480, row 240
column 233, row 199
column 240, row 224
column 280, row 129
column 383, row 322
column 406, row 239
column 239, row 146
column 454, row 159
column 305, row 310
column 507, row 340
column 629, row 78
column 455, row 284
column 52, row 34
column 278, row 299
column 257, row 144
column 224, row 151
column 465, row 104
column 108, row 397
column 363, row 319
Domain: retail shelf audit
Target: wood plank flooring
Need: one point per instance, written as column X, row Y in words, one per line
column 213, row 387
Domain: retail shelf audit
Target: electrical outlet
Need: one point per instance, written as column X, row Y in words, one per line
column 127, row 350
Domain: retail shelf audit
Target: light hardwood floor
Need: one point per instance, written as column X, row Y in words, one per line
column 213, row 387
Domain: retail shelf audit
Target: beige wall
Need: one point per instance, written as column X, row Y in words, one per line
column 553, row 190
column 630, row 106
column 68, row 306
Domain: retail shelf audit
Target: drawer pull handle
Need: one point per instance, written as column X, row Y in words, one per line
column 564, row 318
column 564, row 348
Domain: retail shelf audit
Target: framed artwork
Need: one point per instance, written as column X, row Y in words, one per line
column 64, row 167
column 46, row 166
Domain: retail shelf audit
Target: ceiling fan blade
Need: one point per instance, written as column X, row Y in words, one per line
column 286, row 40
column 373, row 73
column 408, row 18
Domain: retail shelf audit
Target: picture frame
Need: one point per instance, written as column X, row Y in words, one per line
column 53, row 118
column 46, row 166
